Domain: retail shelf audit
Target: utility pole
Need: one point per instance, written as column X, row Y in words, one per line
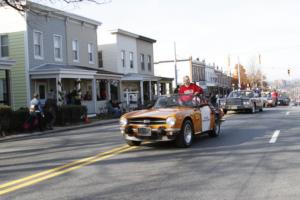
column 175, row 63
column 239, row 72
column 261, row 72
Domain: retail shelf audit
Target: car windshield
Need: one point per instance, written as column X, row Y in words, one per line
column 241, row 94
column 177, row 100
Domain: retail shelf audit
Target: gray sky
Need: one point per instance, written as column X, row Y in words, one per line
column 211, row 29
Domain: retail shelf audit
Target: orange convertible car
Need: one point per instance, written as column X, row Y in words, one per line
column 173, row 117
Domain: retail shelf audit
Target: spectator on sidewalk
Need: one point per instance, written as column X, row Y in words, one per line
column 113, row 107
column 36, row 113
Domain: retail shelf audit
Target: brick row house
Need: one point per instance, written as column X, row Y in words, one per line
column 209, row 77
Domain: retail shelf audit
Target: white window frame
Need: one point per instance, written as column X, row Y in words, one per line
column 91, row 47
column 131, row 63
column 149, row 62
column 61, row 50
column 123, row 58
column 1, row 45
column 142, row 60
column 75, row 60
column 38, row 57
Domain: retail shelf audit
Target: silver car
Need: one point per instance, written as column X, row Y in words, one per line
column 243, row 100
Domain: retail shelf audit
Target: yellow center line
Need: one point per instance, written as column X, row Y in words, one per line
column 36, row 178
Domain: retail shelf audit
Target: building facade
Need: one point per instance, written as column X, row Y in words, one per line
column 132, row 55
column 56, row 57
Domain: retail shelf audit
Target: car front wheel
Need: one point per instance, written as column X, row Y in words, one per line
column 185, row 138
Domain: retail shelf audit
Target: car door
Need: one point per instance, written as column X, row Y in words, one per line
column 205, row 117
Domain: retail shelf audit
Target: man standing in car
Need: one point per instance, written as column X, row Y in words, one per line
column 190, row 89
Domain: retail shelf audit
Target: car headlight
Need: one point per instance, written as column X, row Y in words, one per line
column 246, row 103
column 171, row 121
column 123, row 121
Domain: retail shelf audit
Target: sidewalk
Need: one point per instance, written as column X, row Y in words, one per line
column 59, row 129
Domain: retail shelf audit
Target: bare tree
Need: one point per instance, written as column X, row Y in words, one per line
column 255, row 76
column 20, row 5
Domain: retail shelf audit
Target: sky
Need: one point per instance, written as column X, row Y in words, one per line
column 209, row 29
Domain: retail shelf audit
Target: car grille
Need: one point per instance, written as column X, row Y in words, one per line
column 231, row 102
column 147, row 121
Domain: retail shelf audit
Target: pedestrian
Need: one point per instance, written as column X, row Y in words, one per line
column 36, row 113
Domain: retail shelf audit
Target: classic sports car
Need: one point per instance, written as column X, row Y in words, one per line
column 174, row 117
column 243, row 100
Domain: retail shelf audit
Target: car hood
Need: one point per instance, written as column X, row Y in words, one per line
column 155, row 113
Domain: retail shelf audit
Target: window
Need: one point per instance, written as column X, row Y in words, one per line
column 75, row 50
column 142, row 61
column 100, row 59
column 91, row 53
column 131, row 59
column 123, row 58
column 4, row 46
column 149, row 62
column 57, row 39
column 38, row 44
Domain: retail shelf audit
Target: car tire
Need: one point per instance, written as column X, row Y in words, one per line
column 224, row 111
column 253, row 109
column 185, row 137
column 133, row 143
column 215, row 132
column 261, row 109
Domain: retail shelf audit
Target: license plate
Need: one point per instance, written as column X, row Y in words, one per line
column 144, row 131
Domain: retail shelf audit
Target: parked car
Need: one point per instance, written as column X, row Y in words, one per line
column 172, row 118
column 268, row 101
column 283, row 101
column 243, row 100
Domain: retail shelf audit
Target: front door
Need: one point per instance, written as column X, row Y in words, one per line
column 42, row 91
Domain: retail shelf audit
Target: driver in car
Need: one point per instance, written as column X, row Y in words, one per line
column 188, row 90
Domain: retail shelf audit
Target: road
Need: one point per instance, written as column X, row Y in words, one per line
column 255, row 157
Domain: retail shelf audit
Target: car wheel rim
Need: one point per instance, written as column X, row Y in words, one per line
column 188, row 133
column 217, row 128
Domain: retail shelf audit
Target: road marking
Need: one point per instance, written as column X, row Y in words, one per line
column 287, row 113
column 274, row 136
column 36, row 178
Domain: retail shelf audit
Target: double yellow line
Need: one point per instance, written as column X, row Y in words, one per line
column 44, row 175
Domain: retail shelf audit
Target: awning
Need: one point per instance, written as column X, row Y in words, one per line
column 103, row 74
column 144, row 77
column 6, row 64
column 64, row 71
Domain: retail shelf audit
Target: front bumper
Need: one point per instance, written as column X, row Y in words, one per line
column 238, row 107
column 157, row 134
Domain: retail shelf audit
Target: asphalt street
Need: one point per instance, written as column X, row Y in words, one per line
column 255, row 157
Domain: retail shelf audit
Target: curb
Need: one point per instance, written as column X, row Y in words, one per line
column 57, row 130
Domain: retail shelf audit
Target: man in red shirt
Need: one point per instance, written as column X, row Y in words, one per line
column 190, row 89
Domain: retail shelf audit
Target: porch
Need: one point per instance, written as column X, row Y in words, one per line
column 139, row 90
column 75, row 85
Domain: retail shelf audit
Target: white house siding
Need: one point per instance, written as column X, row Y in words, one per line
column 84, row 33
column 109, row 57
column 145, row 48
column 129, row 45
